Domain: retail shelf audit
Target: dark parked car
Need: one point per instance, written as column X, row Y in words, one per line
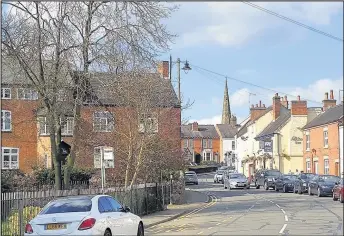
column 266, row 178
column 285, row 183
column 301, row 183
column 191, row 177
column 322, row 185
column 338, row 191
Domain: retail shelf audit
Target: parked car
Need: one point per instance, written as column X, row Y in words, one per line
column 285, row 183
column 234, row 180
column 266, row 178
column 191, row 177
column 338, row 191
column 85, row 215
column 218, row 177
column 322, row 185
column 301, row 183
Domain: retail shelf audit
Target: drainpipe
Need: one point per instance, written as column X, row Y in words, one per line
column 278, row 152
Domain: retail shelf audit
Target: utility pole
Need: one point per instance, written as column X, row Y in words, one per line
column 178, row 71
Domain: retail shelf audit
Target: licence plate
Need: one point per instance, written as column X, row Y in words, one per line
column 241, row 185
column 55, row 226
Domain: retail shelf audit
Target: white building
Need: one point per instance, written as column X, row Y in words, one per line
column 241, row 139
column 228, row 152
column 341, row 149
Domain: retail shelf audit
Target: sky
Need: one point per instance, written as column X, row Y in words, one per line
column 242, row 42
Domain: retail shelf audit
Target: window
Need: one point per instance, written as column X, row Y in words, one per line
column 190, row 143
column 6, row 120
column 308, row 146
column 108, row 157
column 68, row 205
column 43, row 126
column 325, row 138
column 5, row 93
column 326, row 167
column 67, row 126
column 208, row 156
column 204, row 143
column 185, row 143
column 115, row 205
column 233, row 145
column 207, row 143
column 103, row 121
column 210, row 143
column 27, row 94
column 308, row 167
column 148, row 123
column 10, row 158
column 104, row 205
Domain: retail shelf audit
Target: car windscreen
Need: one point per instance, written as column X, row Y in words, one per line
column 307, row 176
column 220, row 173
column 67, row 205
column 329, row 178
column 289, row 177
column 190, row 174
column 273, row 173
column 236, row 176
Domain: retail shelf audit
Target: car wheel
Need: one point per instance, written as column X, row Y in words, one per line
column 248, row 187
column 319, row 192
column 225, row 186
column 294, row 190
column 341, row 199
column 284, row 189
column 299, row 190
column 334, row 196
column 276, row 189
column 309, row 191
column 107, row 233
column 266, row 187
column 196, row 183
column 140, row 230
column 257, row 186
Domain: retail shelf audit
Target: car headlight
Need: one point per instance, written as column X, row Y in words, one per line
column 269, row 179
column 304, row 184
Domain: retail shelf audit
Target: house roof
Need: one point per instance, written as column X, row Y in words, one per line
column 275, row 125
column 268, row 109
column 243, row 129
column 331, row 115
column 227, row 130
column 204, row 131
column 132, row 89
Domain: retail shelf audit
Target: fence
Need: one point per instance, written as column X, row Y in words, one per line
column 18, row 208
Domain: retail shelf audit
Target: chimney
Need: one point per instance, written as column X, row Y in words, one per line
column 163, row 69
column 329, row 101
column 257, row 111
column 285, row 102
column 194, row 126
column 276, row 106
column 299, row 107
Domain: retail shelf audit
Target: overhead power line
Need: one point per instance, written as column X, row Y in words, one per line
column 294, row 21
column 248, row 83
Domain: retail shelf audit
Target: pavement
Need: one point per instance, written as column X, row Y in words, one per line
column 251, row 212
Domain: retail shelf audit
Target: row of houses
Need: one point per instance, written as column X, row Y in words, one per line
column 288, row 136
column 122, row 109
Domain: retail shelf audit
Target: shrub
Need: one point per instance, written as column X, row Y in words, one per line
column 11, row 179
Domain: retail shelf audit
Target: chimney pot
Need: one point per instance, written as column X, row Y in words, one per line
column 331, row 94
column 260, row 103
column 282, row 99
column 256, row 105
column 252, row 106
column 264, row 105
column 285, row 98
column 298, row 97
column 276, row 95
column 326, row 96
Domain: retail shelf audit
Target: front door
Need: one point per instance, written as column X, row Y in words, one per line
column 316, row 169
column 198, row 158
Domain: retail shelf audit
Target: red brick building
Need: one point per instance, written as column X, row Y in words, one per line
column 321, row 139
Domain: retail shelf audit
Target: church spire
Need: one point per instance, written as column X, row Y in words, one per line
column 226, row 110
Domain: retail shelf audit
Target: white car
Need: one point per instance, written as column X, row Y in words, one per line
column 85, row 215
column 218, row 177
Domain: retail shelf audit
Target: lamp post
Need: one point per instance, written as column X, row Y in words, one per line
column 185, row 68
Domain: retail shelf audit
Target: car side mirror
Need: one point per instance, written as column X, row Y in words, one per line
column 262, row 175
column 125, row 209
column 336, row 183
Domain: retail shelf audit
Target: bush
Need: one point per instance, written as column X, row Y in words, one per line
column 11, row 179
column 11, row 225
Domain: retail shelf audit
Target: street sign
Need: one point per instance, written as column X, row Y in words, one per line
column 268, row 146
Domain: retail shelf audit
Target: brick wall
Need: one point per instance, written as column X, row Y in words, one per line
column 257, row 111
column 299, row 107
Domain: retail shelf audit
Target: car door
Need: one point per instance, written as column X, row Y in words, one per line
column 313, row 183
column 261, row 178
column 125, row 218
column 105, row 210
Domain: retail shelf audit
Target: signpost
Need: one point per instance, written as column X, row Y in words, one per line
column 268, row 146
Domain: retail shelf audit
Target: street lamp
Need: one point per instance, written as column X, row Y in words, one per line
column 185, row 68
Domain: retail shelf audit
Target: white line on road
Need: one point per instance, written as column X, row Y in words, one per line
column 200, row 232
column 285, row 217
column 283, row 228
column 278, row 206
column 283, row 211
column 210, row 227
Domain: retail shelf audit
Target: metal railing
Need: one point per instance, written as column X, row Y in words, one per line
column 18, row 208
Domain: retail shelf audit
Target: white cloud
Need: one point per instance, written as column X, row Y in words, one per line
column 235, row 23
column 240, row 98
column 214, row 120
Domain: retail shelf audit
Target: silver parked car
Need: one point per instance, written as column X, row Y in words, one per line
column 219, row 176
column 234, row 180
column 191, row 177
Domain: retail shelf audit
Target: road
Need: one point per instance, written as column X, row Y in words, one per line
column 256, row 212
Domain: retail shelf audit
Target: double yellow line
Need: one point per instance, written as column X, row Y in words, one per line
column 209, row 204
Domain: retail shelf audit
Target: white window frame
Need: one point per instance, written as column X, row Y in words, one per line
column 326, row 166
column 103, row 116
column 3, row 120
column 325, row 138
column 12, row 165
column 46, row 127
column 67, row 125
column 97, row 159
column 29, row 94
column 190, row 143
column 185, row 143
column 308, row 167
column 3, row 93
column 308, row 142
column 148, row 123
column 233, row 145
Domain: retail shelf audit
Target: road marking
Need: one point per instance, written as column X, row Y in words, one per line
column 210, row 227
column 168, row 231
column 181, row 229
column 283, row 211
column 218, row 223
column 278, row 206
column 200, row 232
column 285, row 217
column 283, row 228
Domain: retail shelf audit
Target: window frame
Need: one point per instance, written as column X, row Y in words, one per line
column 325, row 138
column 3, row 93
column 153, row 126
column 233, row 144
column 3, row 121
column 308, row 142
column 326, row 167
column 33, row 94
column 308, row 167
column 10, row 158
column 65, row 123
column 46, row 126
column 109, row 122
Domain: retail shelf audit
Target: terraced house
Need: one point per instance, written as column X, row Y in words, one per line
column 321, row 149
